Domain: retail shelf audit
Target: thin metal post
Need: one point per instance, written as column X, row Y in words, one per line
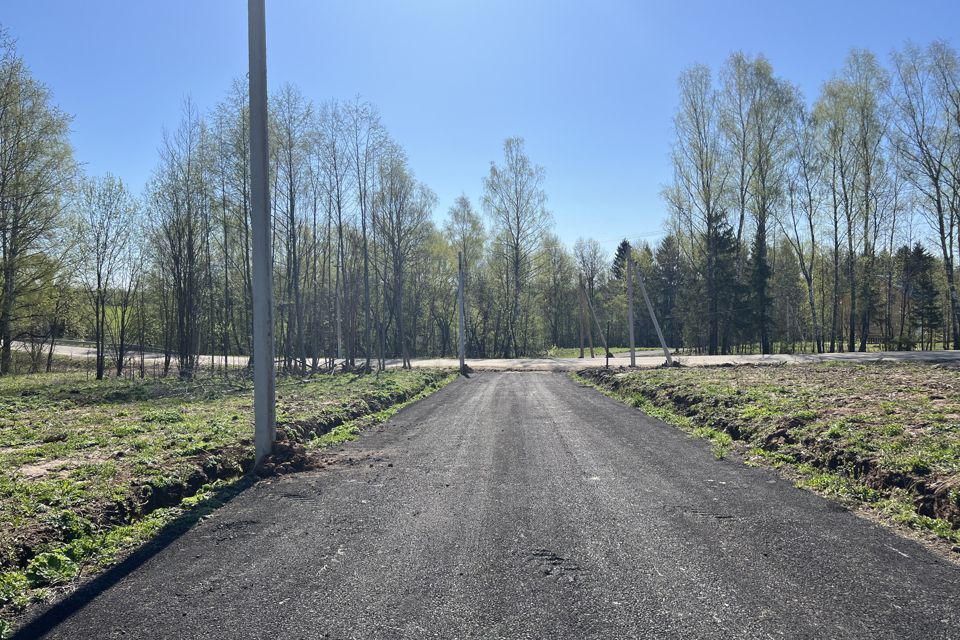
column 633, row 347
column 653, row 316
column 264, row 397
column 607, row 356
column 461, row 316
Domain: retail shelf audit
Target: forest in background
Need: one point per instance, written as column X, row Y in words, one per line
column 793, row 226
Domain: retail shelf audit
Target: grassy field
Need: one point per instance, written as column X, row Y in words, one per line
column 90, row 470
column 882, row 436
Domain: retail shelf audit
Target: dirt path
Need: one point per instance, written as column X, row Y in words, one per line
column 526, row 506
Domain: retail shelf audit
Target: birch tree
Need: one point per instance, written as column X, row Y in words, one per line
column 105, row 216
column 515, row 200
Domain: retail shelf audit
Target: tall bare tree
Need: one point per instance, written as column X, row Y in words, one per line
column 868, row 82
column 105, row 215
column 925, row 138
column 404, row 207
column 179, row 206
column 700, row 180
column 515, row 200
column 768, row 131
column 800, row 220
column 127, row 281
column 292, row 119
column 367, row 139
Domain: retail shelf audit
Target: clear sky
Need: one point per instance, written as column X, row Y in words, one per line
column 590, row 85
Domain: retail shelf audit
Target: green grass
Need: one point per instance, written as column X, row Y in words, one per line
column 882, row 435
column 90, row 470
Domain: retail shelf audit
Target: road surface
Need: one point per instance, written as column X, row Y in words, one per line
column 522, row 505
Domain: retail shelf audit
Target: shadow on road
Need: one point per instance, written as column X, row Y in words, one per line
column 48, row 618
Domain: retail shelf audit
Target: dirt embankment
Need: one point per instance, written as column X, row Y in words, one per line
column 884, row 435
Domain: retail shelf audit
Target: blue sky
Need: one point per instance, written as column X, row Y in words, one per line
column 590, row 85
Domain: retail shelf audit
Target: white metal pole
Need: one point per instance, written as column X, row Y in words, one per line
column 633, row 348
column 264, row 398
column 460, row 316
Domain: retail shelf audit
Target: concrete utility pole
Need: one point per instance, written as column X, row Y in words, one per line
column 586, row 309
column 582, row 314
column 653, row 316
column 461, row 316
column 264, row 396
column 633, row 347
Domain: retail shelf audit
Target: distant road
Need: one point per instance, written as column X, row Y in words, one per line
column 151, row 357
column 513, row 505
column 649, row 359
column 645, row 359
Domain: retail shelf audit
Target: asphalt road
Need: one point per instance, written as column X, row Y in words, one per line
column 521, row 505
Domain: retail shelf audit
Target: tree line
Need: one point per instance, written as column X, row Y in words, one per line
column 792, row 226
column 823, row 226
column 363, row 271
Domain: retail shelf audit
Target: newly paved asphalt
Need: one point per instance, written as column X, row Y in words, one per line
column 521, row 505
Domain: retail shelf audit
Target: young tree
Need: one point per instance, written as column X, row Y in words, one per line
column 592, row 262
column 179, row 205
column 36, row 171
column 665, row 287
column 925, row 312
column 804, row 198
column 464, row 231
column 558, row 290
column 403, row 209
column 105, row 215
column 126, row 287
column 619, row 268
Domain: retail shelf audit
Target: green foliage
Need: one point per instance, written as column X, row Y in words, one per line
column 13, row 585
column 163, row 416
column 51, row 568
column 721, row 440
column 836, row 430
